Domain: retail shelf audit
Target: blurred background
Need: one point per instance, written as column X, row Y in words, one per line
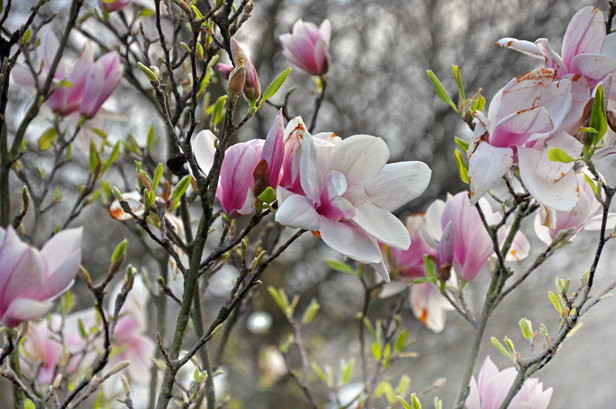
column 377, row 85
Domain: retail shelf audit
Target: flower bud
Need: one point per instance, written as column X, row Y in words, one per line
column 237, row 80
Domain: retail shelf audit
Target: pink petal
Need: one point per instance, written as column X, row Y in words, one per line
column 382, row 225
column 359, row 158
column 299, row 212
column 486, row 166
column 350, row 240
column 585, row 34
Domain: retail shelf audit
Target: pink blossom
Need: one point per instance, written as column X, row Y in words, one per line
column 308, row 46
column 30, row 279
column 252, row 89
column 493, row 386
column 347, row 191
column 102, row 80
column 244, row 164
column 114, row 5
column 430, row 306
column 409, row 263
column 224, row 69
column 64, row 99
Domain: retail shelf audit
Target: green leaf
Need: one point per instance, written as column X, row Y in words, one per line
column 320, row 373
column 376, row 351
column 26, row 36
column 218, row 108
column 591, row 183
column 180, row 188
column 423, row 280
column 268, row 195
column 347, row 371
column 158, row 174
column 440, row 90
column 404, row 385
column 274, row 86
column 462, row 144
column 385, row 388
column 438, row 404
column 150, row 198
column 404, row 403
column 95, row 160
column 456, row 74
column 415, row 402
column 278, row 299
column 598, row 119
column 46, row 139
column 119, row 251
column 339, row 266
column 527, row 328
column 430, row 266
column 462, row 168
column 500, row 347
column 370, row 327
column 559, row 155
column 150, row 138
column 311, row 311
column 145, row 13
column 479, row 104
column 587, row 130
column 197, row 12
column 401, row 341
column 112, row 158
column 82, row 329
column 555, row 299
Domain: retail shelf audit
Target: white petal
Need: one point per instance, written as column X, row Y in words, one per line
column 383, row 225
column 554, row 171
column 486, row 165
column 359, row 158
column 431, row 230
column 349, row 240
column 562, row 195
column 298, row 211
column 396, row 185
column 525, row 47
column 204, row 150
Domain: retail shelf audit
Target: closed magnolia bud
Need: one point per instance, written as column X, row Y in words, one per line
column 237, row 80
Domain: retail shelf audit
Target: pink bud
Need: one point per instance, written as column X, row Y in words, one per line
column 444, row 255
column 252, row 89
column 224, row 69
column 308, row 46
column 102, row 80
column 66, row 100
column 273, row 150
column 114, row 5
column 236, row 180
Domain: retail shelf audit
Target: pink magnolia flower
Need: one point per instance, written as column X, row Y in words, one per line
column 583, row 51
column 247, row 166
column 114, row 5
column 347, row 191
column 308, row 46
column 427, row 303
column 65, row 99
column 493, row 386
column 472, row 245
column 548, row 223
column 30, row 279
column 252, row 89
column 102, row 80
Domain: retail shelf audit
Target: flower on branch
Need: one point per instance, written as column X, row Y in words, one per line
column 308, row 46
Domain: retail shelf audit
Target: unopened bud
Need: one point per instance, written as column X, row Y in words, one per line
column 237, row 80
column 125, row 384
column 148, row 72
column 83, row 273
column 130, row 277
column 185, row 7
column 119, row 367
column 56, row 382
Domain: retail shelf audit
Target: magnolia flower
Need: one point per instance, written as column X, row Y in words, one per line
column 114, row 5
column 65, row 99
column 224, row 69
column 493, row 386
column 31, row 279
column 586, row 50
column 308, row 46
column 548, row 223
column 102, row 80
column 472, row 245
column 252, row 89
column 247, row 169
column 347, row 192
column 44, row 348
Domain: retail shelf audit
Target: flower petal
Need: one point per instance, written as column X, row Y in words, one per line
column 350, row 240
column 203, row 146
column 585, row 34
column 298, row 211
column 382, row 225
column 486, row 165
column 359, row 158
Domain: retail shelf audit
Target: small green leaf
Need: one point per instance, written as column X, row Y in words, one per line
column 275, row 86
column 145, row 13
column 370, row 327
column 82, row 329
column 415, row 402
column 180, row 188
column 591, row 183
column 347, row 371
column 440, row 90
column 112, row 158
column 500, row 347
column 46, row 139
column 26, row 36
column 197, row 12
column 401, row 341
column 438, row 404
column 268, row 195
column 527, row 328
column 150, row 138
column 150, row 198
column 158, row 174
column 95, row 160
column 462, row 144
column 555, row 300
column 339, row 266
column 278, row 299
column 404, row 403
column 430, row 266
column 311, row 311
column 404, row 385
column 320, row 373
column 456, row 74
column 119, row 251
column 218, row 108
column 598, row 119
column 559, row 155
column 479, row 104
column 462, row 168
column 376, row 351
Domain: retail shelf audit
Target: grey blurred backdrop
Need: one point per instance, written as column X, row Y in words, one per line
column 380, row 52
